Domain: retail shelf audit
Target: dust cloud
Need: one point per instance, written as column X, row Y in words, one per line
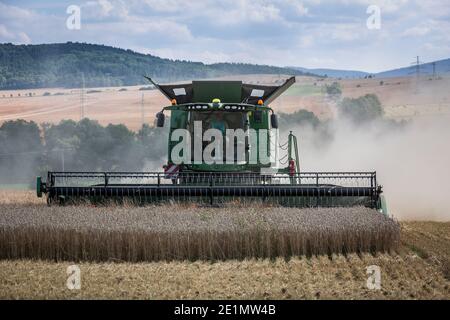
column 412, row 161
column 154, row 165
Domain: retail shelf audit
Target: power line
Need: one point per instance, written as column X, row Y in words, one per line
column 82, row 98
column 417, row 63
column 142, row 110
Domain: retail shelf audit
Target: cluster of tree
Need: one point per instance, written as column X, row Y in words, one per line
column 333, row 90
column 298, row 118
column 359, row 110
column 305, row 125
column 20, row 150
column 27, row 150
column 362, row 109
column 66, row 65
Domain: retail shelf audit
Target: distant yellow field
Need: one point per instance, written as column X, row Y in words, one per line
column 401, row 98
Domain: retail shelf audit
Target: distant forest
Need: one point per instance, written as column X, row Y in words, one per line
column 63, row 65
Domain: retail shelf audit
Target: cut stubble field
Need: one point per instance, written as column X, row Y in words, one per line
column 417, row 268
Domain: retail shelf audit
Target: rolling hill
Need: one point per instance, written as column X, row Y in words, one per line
column 441, row 67
column 334, row 73
column 63, row 65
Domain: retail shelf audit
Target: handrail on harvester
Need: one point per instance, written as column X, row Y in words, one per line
column 310, row 188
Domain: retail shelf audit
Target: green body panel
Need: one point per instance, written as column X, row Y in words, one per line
column 179, row 118
column 38, row 187
column 263, row 124
column 226, row 91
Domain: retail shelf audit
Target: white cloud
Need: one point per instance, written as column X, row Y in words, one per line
column 299, row 7
column 237, row 12
column 17, row 38
column 345, row 32
column 11, row 13
column 101, row 9
column 264, row 13
column 221, row 12
column 416, row 31
column 439, row 49
column 278, row 32
column 389, row 6
column 306, row 41
column 171, row 6
column 106, row 7
column 385, row 5
column 4, row 33
column 23, row 38
column 433, row 29
column 16, row 24
column 434, row 8
column 135, row 26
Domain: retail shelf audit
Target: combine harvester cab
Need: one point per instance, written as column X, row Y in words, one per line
column 244, row 167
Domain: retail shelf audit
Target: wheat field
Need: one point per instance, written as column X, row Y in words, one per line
column 87, row 233
column 417, row 268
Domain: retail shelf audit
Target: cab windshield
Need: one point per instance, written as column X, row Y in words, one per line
column 220, row 120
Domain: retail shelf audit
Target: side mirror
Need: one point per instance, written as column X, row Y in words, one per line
column 160, row 117
column 274, row 121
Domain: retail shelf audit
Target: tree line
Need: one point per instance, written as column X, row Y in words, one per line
column 27, row 150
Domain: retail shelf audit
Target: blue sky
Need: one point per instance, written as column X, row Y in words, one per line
column 307, row 33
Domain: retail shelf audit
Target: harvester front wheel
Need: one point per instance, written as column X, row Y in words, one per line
column 382, row 205
column 39, row 187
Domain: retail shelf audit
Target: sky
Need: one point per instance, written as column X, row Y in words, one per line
column 366, row 35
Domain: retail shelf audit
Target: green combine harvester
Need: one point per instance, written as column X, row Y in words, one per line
column 246, row 167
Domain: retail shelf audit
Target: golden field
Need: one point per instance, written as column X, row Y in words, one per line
column 418, row 268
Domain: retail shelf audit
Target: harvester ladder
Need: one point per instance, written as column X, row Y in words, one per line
column 293, row 153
